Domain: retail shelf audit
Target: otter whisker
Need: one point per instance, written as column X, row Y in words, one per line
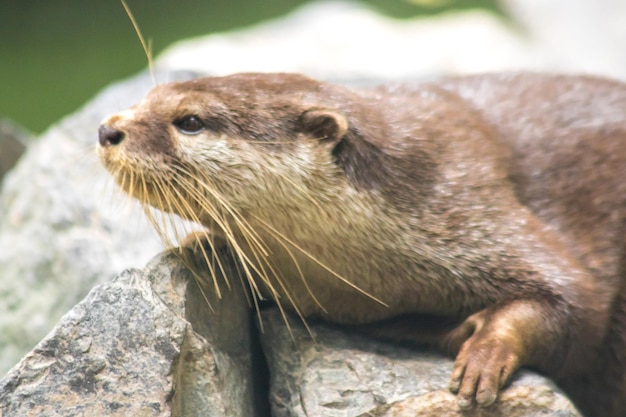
column 185, row 208
column 277, row 234
column 240, row 276
column 131, row 185
column 121, row 178
column 252, row 241
column 300, row 273
column 147, row 48
column 222, row 224
column 244, row 226
column 171, row 203
column 248, row 233
column 209, row 209
column 160, row 195
column 274, row 293
column 314, row 259
column 245, row 261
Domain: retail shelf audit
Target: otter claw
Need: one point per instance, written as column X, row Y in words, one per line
column 468, row 394
column 465, row 403
column 479, row 373
column 486, row 398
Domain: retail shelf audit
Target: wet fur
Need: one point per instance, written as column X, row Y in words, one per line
column 482, row 215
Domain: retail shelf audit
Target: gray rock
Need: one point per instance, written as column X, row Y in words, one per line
column 150, row 343
column 63, row 226
column 145, row 344
column 338, row 374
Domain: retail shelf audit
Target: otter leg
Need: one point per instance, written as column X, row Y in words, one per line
column 493, row 343
column 489, row 345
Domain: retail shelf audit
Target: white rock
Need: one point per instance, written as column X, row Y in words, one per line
column 575, row 35
column 333, row 40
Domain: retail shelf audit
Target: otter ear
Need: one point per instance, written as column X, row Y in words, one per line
column 324, row 124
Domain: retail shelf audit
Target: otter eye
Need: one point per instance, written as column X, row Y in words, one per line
column 190, row 125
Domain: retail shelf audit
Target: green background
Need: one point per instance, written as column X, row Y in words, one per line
column 56, row 54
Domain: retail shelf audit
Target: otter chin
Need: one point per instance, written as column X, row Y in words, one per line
column 483, row 216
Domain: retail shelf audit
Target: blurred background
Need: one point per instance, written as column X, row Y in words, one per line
column 55, row 55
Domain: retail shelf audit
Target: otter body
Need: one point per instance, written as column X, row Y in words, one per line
column 482, row 215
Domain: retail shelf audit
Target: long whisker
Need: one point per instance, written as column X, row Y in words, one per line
column 314, row 259
column 190, row 189
column 161, row 194
column 207, row 185
column 195, row 193
column 282, row 237
column 252, row 241
column 147, row 48
column 227, row 231
column 260, row 262
column 297, row 265
column 258, row 250
column 185, row 208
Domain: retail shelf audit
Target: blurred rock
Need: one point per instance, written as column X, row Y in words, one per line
column 574, row 35
column 348, row 41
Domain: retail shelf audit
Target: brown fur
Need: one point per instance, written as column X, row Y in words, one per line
column 482, row 215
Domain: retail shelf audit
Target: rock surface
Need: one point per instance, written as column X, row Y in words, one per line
column 145, row 344
column 150, row 343
column 63, row 226
column 341, row 374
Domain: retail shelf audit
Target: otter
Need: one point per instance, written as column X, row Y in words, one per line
column 482, row 215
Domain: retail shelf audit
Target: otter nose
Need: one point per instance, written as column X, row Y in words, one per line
column 109, row 137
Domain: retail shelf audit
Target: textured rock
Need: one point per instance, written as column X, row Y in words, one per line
column 63, row 226
column 149, row 343
column 145, row 344
column 344, row 375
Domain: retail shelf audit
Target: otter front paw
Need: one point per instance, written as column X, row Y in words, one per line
column 482, row 367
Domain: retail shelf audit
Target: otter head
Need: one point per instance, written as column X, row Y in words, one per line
column 247, row 144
